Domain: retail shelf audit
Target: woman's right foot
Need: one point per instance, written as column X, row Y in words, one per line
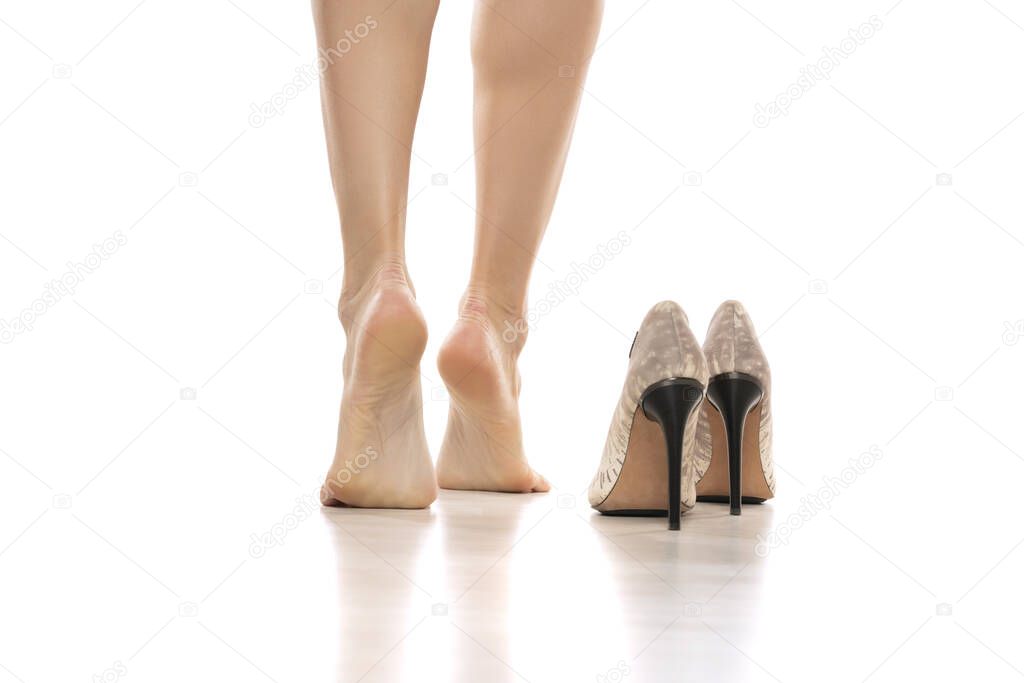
column 382, row 459
column 483, row 444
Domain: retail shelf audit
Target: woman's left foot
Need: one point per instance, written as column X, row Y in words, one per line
column 483, row 445
column 382, row 459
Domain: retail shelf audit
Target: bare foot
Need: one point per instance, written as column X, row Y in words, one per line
column 382, row 459
column 483, row 445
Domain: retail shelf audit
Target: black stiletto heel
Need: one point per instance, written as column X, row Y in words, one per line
column 734, row 394
column 670, row 403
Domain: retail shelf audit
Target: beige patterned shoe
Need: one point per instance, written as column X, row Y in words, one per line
column 647, row 465
column 734, row 434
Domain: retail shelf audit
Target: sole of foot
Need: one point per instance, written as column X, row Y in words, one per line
column 483, row 445
column 382, row 459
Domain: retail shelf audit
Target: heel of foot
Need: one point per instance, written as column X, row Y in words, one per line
column 467, row 361
column 397, row 317
column 390, row 334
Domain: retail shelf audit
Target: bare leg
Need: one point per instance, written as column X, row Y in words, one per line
column 530, row 59
column 371, row 91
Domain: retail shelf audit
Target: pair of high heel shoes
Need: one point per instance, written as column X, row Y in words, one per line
column 667, row 447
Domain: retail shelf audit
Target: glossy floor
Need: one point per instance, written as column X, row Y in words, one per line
column 488, row 587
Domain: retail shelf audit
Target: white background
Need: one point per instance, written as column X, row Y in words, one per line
column 889, row 306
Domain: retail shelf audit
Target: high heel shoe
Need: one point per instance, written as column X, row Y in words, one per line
column 647, row 464
column 734, row 433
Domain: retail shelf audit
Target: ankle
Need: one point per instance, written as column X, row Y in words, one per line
column 386, row 272
column 498, row 315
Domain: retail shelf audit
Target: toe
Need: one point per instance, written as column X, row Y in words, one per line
column 540, row 484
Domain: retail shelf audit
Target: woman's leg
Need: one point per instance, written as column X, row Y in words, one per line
column 377, row 51
column 530, row 58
